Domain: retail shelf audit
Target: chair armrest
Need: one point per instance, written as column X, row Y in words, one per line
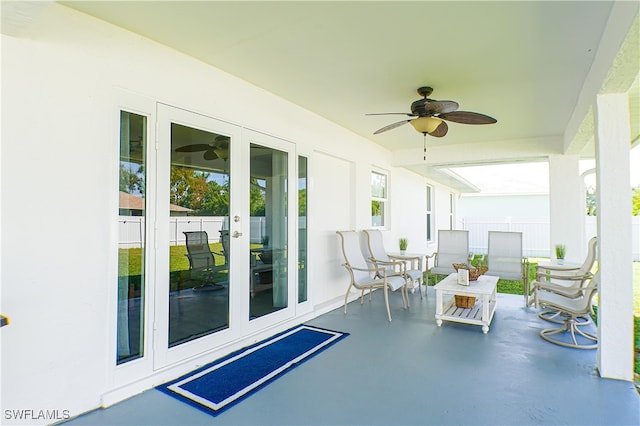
column 353, row 268
column 556, row 268
column 387, row 262
column 402, row 266
column 405, row 258
column 545, row 277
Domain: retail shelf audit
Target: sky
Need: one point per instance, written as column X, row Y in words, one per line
column 530, row 178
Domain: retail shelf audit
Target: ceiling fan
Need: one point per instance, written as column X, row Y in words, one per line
column 431, row 115
column 218, row 149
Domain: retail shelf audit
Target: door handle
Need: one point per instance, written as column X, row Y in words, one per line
column 237, row 234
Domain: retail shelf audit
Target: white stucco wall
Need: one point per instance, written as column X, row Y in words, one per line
column 62, row 81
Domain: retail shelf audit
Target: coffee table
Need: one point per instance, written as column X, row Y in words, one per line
column 484, row 289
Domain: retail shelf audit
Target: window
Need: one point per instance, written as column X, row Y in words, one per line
column 429, row 213
column 452, row 204
column 131, row 231
column 378, row 198
column 302, row 229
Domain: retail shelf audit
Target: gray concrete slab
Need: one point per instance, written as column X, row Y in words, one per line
column 411, row 372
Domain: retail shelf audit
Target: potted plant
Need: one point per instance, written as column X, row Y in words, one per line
column 265, row 241
column 403, row 245
column 561, row 251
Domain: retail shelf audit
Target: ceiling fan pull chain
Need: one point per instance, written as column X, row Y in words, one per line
column 424, row 147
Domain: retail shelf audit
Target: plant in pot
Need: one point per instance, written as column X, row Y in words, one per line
column 403, row 245
column 561, row 251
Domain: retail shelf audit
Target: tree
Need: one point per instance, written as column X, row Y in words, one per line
column 130, row 181
column 188, row 187
column 302, row 202
column 216, row 199
column 257, row 198
column 591, row 201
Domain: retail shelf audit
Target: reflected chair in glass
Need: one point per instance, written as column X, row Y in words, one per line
column 202, row 265
column 505, row 258
column 453, row 247
column 412, row 268
column 261, row 262
column 364, row 277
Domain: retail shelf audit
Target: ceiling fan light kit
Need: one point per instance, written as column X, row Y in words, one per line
column 425, row 124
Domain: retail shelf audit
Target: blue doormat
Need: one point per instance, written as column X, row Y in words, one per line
column 217, row 386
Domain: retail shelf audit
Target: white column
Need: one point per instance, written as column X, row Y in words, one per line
column 615, row 325
column 567, row 206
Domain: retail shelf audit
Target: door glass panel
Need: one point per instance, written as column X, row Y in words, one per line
column 198, row 234
column 131, row 237
column 268, row 231
column 302, row 229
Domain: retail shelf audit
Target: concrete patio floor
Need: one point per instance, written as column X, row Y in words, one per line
column 411, row 372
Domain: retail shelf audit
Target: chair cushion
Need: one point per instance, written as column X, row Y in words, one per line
column 395, row 282
column 415, row 274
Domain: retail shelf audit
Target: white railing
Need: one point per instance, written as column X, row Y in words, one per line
column 535, row 233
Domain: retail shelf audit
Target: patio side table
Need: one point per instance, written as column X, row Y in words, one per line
column 414, row 261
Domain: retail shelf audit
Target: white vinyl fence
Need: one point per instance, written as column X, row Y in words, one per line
column 131, row 229
column 535, row 233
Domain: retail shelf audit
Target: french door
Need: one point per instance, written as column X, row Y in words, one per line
column 222, row 267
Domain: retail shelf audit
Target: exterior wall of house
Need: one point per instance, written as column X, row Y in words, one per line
column 62, row 82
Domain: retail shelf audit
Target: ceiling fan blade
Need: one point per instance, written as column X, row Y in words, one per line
column 467, row 117
column 393, row 113
column 194, row 148
column 211, row 154
column 391, row 126
column 440, row 131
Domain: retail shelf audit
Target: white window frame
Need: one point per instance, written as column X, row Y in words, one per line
column 429, row 208
column 452, row 210
column 384, row 199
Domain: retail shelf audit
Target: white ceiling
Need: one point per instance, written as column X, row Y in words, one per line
column 524, row 63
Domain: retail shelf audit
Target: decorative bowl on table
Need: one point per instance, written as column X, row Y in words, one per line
column 467, row 302
column 474, row 273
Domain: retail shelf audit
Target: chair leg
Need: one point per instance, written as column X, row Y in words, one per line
column 405, row 296
column 386, row 301
column 570, row 327
column 346, row 298
column 559, row 317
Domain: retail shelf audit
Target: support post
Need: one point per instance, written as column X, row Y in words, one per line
column 615, row 312
column 567, row 205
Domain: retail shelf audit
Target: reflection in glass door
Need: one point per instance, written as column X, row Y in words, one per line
column 132, row 237
column 268, row 231
column 198, row 233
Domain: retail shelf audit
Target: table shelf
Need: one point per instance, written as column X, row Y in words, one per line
column 471, row 315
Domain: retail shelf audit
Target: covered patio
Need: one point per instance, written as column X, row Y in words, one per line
column 289, row 87
column 410, row 371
